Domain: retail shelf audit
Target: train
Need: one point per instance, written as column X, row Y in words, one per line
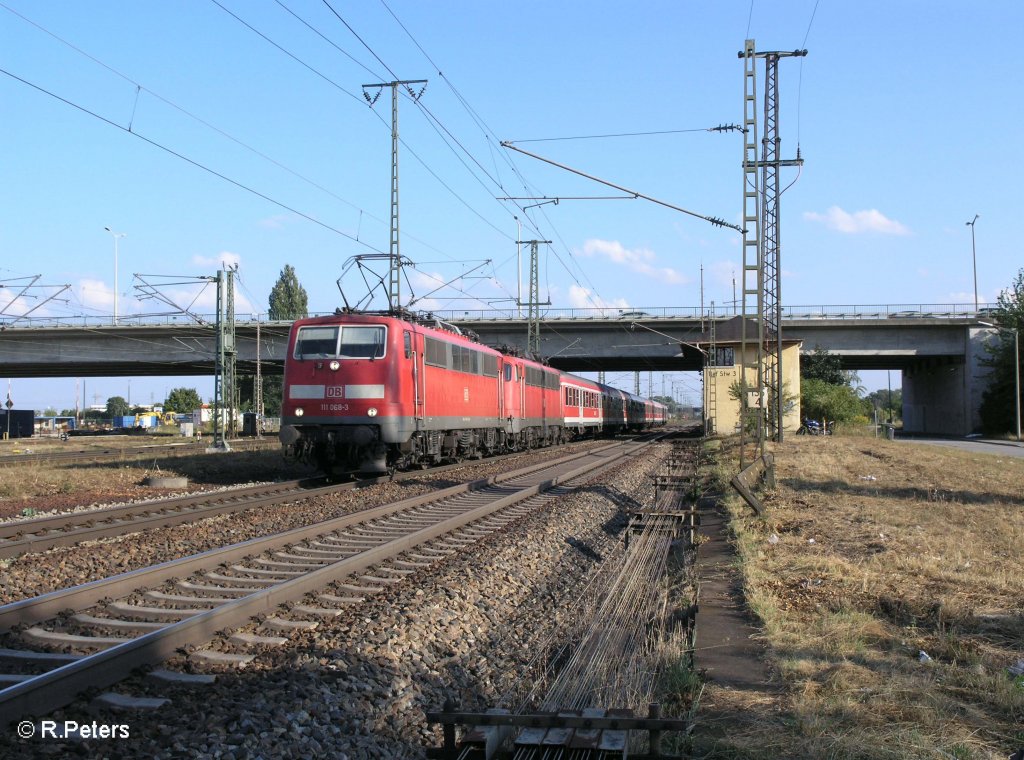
column 368, row 393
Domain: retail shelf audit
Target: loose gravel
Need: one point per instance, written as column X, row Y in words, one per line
column 480, row 626
column 62, row 567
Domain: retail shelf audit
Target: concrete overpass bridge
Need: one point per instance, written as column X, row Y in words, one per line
column 937, row 348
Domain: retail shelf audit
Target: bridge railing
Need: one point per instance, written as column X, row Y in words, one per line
column 847, row 311
column 841, row 311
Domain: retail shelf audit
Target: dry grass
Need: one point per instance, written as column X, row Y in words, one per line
column 43, row 486
column 885, row 550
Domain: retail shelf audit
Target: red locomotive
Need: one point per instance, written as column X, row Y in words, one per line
column 368, row 393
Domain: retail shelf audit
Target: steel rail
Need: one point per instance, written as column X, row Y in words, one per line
column 154, row 450
column 69, row 528
column 47, row 605
column 44, row 693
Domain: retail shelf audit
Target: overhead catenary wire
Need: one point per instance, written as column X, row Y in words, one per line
column 617, row 134
column 382, row 120
column 800, row 77
column 433, row 120
column 480, row 172
column 490, row 138
column 185, row 158
column 437, row 125
column 140, row 88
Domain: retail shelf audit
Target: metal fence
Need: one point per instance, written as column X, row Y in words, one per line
column 841, row 311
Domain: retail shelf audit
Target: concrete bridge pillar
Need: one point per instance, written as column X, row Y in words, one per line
column 942, row 398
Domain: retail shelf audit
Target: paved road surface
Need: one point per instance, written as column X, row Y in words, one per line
column 979, row 445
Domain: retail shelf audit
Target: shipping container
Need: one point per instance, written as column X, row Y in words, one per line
column 17, row 423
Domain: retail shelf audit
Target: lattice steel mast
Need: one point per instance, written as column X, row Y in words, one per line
column 751, row 277
column 772, row 241
column 224, row 386
column 711, row 384
column 534, row 303
column 258, row 385
column 762, row 248
column 394, row 253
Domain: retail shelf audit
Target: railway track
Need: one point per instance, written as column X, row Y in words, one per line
column 146, row 451
column 38, row 534
column 69, row 528
column 143, row 617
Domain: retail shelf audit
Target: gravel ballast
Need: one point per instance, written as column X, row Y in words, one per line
column 35, row 574
column 479, row 626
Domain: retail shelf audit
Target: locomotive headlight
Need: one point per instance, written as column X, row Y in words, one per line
column 299, row 411
column 372, row 411
column 334, row 365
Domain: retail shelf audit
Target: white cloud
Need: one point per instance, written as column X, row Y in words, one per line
column 961, row 297
column 424, row 280
column 275, row 222
column 638, row 259
column 582, row 298
column 201, row 299
column 722, row 273
column 96, row 294
column 220, row 261
column 871, row 220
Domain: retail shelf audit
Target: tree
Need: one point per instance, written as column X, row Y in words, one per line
column 117, row 406
column 67, row 413
column 49, row 412
column 821, row 365
column 888, row 403
column 288, row 301
column 183, row 401
column 820, row 400
column 739, row 391
column 673, row 409
column 998, row 405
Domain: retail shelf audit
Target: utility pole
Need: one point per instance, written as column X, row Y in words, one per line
column 761, row 205
column 395, row 257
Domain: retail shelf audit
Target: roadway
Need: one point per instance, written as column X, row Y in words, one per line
column 991, row 446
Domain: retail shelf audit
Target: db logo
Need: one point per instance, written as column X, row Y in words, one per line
column 335, row 391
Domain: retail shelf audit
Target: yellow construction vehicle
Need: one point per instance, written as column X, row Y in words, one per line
column 154, row 419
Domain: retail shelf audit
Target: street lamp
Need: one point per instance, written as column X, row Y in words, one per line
column 117, row 236
column 1016, row 370
column 974, row 260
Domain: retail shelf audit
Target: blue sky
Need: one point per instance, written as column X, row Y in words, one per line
column 905, row 113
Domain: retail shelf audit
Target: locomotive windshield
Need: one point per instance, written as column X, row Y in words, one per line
column 362, row 342
column 346, row 342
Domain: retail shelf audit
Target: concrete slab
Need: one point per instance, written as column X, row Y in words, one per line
column 726, row 650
